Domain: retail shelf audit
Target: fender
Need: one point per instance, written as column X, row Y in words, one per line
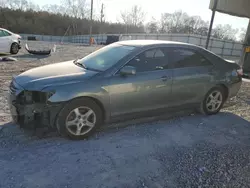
column 76, row 91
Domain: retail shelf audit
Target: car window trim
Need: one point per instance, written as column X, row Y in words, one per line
column 195, row 51
column 8, row 34
column 150, row 48
column 1, row 31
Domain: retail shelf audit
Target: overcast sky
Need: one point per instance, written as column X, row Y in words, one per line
column 154, row 8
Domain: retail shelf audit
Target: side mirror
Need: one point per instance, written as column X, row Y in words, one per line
column 128, row 70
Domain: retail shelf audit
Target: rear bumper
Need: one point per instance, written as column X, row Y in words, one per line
column 234, row 89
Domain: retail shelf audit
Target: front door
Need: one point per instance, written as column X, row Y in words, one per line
column 149, row 89
column 192, row 76
column 4, row 42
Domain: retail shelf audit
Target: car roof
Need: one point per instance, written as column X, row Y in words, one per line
column 151, row 42
column 5, row 30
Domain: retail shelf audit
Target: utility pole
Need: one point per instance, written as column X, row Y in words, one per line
column 211, row 23
column 102, row 13
column 91, row 22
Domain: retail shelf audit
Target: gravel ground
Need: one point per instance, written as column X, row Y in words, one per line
column 188, row 151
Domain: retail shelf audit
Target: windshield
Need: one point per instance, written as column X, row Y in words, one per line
column 105, row 57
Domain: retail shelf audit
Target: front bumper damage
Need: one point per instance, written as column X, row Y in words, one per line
column 30, row 109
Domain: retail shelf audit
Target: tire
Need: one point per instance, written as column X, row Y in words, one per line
column 208, row 107
column 79, row 119
column 14, row 49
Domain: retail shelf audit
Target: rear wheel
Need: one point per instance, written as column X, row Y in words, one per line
column 14, row 49
column 79, row 119
column 213, row 101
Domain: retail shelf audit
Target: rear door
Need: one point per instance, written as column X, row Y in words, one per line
column 148, row 90
column 5, row 40
column 192, row 75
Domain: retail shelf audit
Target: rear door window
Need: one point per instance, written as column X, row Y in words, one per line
column 181, row 58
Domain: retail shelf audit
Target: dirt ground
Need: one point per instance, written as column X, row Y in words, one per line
column 186, row 151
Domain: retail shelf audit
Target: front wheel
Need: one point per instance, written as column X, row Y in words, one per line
column 79, row 119
column 14, row 49
column 213, row 101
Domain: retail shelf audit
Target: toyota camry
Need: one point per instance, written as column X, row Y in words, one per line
column 125, row 79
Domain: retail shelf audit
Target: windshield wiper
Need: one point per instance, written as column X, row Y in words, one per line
column 84, row 66
column 75, row 60
column 79, row 64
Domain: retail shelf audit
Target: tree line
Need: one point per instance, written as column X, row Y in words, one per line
column 181, row 22
column 73, row 16
column 46, row 23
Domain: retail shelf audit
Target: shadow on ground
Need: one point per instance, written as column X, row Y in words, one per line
column 189, row 151
column 3, row 54
column 30, row 56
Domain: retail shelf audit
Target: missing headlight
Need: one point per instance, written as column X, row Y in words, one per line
column 41, row 97
column 30, row 97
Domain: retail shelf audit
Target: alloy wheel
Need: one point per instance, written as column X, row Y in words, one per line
column 214, row 101
column 80, row 121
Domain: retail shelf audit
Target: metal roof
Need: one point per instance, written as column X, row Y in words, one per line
column 239, row 8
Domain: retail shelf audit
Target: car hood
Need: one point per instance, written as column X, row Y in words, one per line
column 52, row 75
column 16, row 35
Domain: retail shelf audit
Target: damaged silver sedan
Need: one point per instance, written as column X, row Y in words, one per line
column 126, row 79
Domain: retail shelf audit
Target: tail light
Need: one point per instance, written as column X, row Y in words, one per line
column 239, row 72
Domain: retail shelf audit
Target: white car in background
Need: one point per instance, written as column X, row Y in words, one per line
column 9, row 42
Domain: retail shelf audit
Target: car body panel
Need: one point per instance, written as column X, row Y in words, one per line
column 141, row 92
column 7, row 41
column 187, row 81
column 120, row 95
column 64, row 73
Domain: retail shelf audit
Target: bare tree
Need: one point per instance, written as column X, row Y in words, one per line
column 152, row 26
column 32, row 6
column 56, row 9
column 20, row 5
column 17, row 4
column 181, row 22
column 137, row 16
column 134, row 17
column 225, row 32
column 164, row 26
column 242, row 35
column 3, row 3
column 76, row 8
column 174, row 23
column 84, row 10
column 125, row 17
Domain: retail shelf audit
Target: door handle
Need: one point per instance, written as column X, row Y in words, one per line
column 164, row 78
